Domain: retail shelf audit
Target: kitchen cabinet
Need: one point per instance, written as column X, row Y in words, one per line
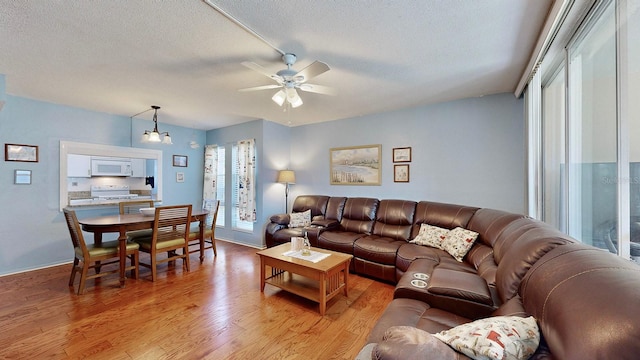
column 78, row 165
column 138, row 168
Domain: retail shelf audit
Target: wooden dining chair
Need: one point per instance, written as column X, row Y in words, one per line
column 133, row 207
column 170, row 233
column 209, row 240
column 94, row 256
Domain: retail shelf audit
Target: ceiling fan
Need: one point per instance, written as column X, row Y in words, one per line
column 288, row 80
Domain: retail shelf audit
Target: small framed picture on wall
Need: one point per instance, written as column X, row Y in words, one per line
column 180, row 177
column 402, row 154
column 401, row 173
column 180, row 160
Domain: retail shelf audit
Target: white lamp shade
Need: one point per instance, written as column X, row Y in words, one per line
column 287, row 176
column 167, row 140
column 279, row 97
column 154, row 137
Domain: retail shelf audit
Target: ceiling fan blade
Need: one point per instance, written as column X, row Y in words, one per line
column 319, row 89
column 263, row 87
column 255, row 67
column 313, row 70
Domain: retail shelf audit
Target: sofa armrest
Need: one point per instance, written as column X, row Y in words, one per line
column 327, row 224
column 273, row 227
column 460, row 285
column 388, row 350
column 280, row 219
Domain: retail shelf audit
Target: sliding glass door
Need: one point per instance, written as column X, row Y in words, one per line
column 592, row 142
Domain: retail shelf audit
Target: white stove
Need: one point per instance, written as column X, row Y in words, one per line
column 106, row 194
column 111, row 192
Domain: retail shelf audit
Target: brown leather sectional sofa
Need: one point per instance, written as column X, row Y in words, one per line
column 585, row 300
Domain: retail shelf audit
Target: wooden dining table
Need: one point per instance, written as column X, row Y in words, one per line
column 128, row 222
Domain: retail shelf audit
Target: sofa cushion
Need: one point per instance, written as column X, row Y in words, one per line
column 335, row 208
column 481, row 258
column 416, row 313
column 408, row 253
column 359, row 215
column 399, row 338
column 499, row 337
column 300, row 219
column 586, row 301
column 522, row 254
column 377, row 249
column 394, row 219
column 341, row 241
column 459, row 285
column 316, row 203
column 430, row 235
column 490, row 223
column 458, row 241
column 446, row 216
column 280, row 219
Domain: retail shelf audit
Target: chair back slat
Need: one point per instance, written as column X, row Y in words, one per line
column 171, row 222
column 212, row 206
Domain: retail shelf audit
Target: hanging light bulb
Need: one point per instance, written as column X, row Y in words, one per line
column 154, row 135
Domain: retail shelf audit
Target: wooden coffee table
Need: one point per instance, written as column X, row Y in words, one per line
column 319, row 281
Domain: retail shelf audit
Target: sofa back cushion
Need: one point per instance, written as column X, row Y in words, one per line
column 335, row 208
column 316, row 203
column 490, row 223
column 359, row 215
column 586, row 303
column 394, row 219
column 524, row 251
column 442, row 215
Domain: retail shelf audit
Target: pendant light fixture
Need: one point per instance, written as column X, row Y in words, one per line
column 154, row 136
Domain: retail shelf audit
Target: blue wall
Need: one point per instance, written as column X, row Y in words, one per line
column 32, row 226
column 469, row 152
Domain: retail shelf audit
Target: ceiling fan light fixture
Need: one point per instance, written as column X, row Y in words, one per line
column 279, row 97
column 295, row 101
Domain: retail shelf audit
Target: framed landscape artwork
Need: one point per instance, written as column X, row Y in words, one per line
column 20, row 152
column 355, row 165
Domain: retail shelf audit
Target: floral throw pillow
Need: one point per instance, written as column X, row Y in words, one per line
column 458, row 242
column 498, row 337
column 430, row 235
column 300, row 219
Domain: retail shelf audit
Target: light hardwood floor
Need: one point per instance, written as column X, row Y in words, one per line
column 216, row 311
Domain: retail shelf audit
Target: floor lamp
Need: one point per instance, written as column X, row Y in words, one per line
column 287, row 177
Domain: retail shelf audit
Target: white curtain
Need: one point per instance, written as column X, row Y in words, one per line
column 246, row 170
column 209, row 192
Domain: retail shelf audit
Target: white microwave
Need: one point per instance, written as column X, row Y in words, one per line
column 110, row 167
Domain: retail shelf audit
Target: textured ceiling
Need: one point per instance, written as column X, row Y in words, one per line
column 121, row 56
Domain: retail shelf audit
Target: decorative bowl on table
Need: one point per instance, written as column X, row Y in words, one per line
column 148, row 211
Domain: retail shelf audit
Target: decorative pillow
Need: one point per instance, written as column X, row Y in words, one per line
column 430, row 235
column 458, row 242
column 498, row 337
column 300, row 219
